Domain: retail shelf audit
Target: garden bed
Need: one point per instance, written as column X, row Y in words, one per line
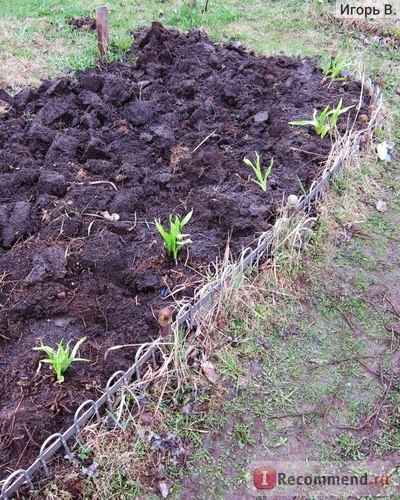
column 128, row 139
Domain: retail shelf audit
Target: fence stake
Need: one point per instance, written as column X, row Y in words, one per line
column 102, row 30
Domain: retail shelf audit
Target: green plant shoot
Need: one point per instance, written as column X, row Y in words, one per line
column 335, row 113
column 325, row 122
column 262, row 179
column 174, row 240
column 61, row 359
column 336, row 68
column 319, row 122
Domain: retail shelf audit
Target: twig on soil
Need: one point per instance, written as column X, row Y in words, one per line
column 30, row 440
column 380, row 375
column 337, row 361
column 393, row 306
column 377, row 410
column 93, row 183
column 392, row 328
column 331, row 401
column 348, row 321
column 190, row 429
column 15, row 414
column 289, row 415
column 307, row 152
column 203, row 141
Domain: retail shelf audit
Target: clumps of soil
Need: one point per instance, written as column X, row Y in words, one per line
column 87, row 23
column 165, row 135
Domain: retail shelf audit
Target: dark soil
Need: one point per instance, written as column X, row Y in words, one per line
column 121, row 139
column 83, row 23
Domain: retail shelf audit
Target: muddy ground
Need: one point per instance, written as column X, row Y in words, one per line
column 126, row 139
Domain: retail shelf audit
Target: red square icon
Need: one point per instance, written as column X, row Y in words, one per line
column 264, row 478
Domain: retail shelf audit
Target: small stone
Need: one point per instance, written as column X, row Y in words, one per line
column 383, row 151
column 381, row 206
column 61, row 295
column 363, row 119
column 164, row 487
column 261, row 117
column 209, row 371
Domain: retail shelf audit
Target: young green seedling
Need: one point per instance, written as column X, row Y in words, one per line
column 326, row 121
column 335, row 113
column 262, row 179
column 174, row 240
column 336, row 68
column 61, row 359
column 319, row 122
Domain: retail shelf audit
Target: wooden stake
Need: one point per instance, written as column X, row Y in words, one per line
column 102, row 30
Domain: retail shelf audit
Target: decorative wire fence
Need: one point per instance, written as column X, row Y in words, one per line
column 146, row 353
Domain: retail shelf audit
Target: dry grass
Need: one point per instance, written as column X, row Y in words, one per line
column 4, row 108
column 24, row 53
column 178, row 153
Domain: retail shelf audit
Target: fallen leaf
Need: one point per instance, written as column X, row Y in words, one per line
column 383, row 151
column 209, row 371
column 164, row 487
column 381, row 206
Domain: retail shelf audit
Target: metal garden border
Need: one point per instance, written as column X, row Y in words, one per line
column 250, row 257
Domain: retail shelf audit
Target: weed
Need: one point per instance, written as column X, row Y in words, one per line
column 230, row 366
column 336, row 68
column 174, row 239
column 262, row 179
column 301, row 185
column 61, row 359
column 326, row 121
column 350, row 447
column 84, row 453
column 243, row 434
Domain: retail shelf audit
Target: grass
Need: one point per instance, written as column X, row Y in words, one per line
column 307, row 354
